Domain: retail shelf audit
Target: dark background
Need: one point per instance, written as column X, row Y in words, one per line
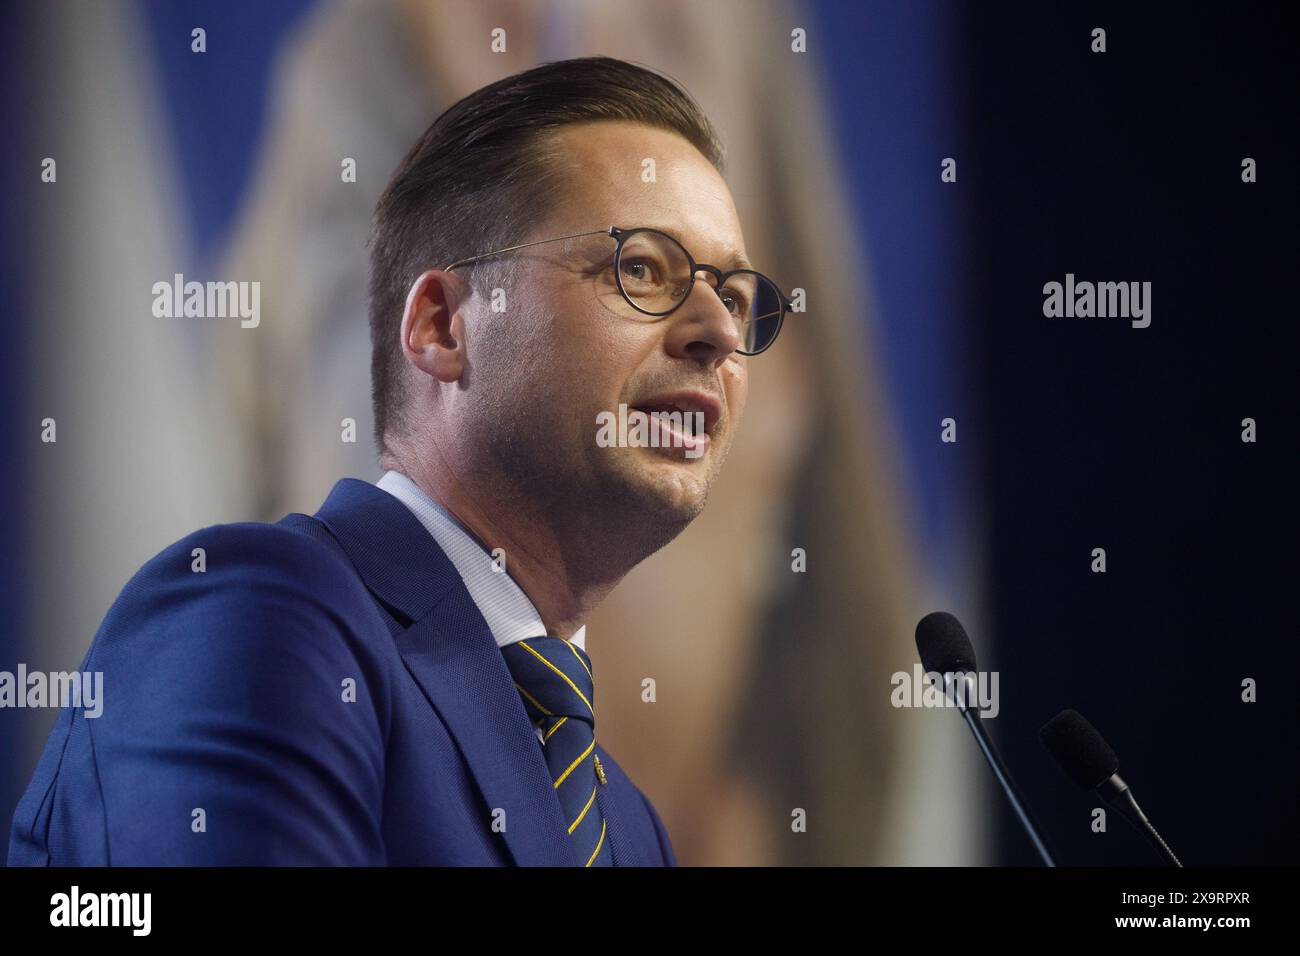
column 1115, row 166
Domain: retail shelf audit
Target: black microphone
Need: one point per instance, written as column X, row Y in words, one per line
column 1087, row 759
column 945, row 649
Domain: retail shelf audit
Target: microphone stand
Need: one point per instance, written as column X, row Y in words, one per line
column 1116, row 792
column 973, row 721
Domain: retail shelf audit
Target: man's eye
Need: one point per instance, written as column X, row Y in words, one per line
column 640, row 270
column 734, row 302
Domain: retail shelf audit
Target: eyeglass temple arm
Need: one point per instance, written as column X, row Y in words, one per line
column 525, row 245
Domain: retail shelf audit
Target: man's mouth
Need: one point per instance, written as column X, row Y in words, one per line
column 688, row 404
column 689, row 440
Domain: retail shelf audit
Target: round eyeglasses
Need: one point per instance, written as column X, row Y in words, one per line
column 655, row 275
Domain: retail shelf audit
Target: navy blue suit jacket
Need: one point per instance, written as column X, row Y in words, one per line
column 326, row 692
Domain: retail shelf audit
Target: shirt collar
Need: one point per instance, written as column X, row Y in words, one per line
column 510, row 615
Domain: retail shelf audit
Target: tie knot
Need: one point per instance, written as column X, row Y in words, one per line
column 554, row 678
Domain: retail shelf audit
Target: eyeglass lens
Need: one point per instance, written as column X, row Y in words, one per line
column 654, row 273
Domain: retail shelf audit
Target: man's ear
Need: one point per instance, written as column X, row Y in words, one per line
column 433, row 333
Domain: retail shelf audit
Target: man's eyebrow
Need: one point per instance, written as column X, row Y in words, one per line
column 735, row 260
column 740, row 261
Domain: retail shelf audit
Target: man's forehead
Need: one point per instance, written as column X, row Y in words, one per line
column 632, row 175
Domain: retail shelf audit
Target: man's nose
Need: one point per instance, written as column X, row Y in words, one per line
column 702, row 327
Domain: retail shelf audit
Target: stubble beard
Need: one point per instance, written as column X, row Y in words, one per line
column 615, row 506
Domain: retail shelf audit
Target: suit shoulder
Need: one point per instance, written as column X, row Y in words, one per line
column 247, row 546
column 244, row 669
column 245, row 561
column 247, row 589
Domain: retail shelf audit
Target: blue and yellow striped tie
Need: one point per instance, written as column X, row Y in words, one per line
column 555, row 682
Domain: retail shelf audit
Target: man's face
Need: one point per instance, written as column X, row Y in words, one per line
column 567, row 347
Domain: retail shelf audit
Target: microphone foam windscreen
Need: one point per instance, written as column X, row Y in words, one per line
column 1080, row 751
column 943, row 645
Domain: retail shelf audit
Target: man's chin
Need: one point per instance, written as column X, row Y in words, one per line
column 666, row 483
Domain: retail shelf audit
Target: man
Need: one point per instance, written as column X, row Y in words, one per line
column 402, row 678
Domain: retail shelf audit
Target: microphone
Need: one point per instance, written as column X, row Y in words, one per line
column 1087, row 759
column 945, row 649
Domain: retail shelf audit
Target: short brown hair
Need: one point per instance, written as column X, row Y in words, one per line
column 481, row 174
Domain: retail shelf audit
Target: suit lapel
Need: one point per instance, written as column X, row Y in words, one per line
column 453, row 657
column 450, row 652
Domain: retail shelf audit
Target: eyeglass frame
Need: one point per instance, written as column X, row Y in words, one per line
column 620, row 235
